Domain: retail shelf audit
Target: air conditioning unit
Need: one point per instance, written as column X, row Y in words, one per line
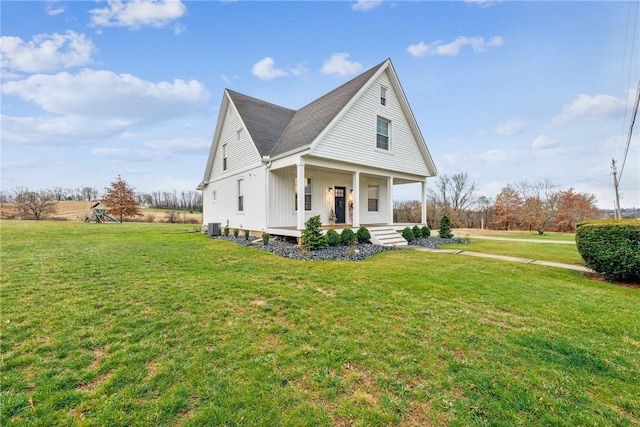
column 214, row 229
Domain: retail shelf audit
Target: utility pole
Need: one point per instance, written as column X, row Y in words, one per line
column 615, row 187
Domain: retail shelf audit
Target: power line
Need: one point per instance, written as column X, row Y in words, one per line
column 582, row 180
column 633, row 120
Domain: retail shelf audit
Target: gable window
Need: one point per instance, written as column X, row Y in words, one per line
column 241, row 195
column 382, row 131
column 240, row 134
column 383, row 95
column 372, row 197
column 224, row 157
column 307, row 194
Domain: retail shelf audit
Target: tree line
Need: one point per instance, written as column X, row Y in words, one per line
column 537, row 206
column 37, row 204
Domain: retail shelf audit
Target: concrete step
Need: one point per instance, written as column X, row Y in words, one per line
column 386, row 236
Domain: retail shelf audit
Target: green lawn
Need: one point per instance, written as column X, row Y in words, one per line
column 145, row 324
column 529, row 235
column 563, row 253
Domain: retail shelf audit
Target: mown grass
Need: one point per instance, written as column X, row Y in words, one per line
column 563, row 253
column 144, row 324
column 529, row 235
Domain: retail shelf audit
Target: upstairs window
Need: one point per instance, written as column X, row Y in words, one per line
column 307, row 194
column 241, row 195
column 224, row 157
column 383, row 95
column 382, row 131
column 372, row 198
column 240, row 134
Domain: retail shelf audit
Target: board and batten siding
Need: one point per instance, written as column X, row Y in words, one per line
column 241, row 154
column 353, row 138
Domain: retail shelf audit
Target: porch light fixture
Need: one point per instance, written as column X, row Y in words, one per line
column 351, row 190
column 330, row 190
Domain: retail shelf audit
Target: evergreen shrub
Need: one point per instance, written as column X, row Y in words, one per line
column 333, row 238
column 348, row 237
column 445, row 228
column 265, row 238
column 426, row 232
column 407, row 233
column 417, row 231
column 363, row 235
column 312, row 237
column 611, row 248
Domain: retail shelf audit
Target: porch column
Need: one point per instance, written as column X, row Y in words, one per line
column 390, row 195
column 424, row 201
column 300, row 180
column 356, row 199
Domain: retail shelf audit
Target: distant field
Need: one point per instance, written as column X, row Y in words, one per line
column 78, row 211
column 530, row 235
column 151, row 324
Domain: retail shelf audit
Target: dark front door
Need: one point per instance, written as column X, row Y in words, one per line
column 341, row 204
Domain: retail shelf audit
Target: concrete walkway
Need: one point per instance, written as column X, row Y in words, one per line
column 508, row 258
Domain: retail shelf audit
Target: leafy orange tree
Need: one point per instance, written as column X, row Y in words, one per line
column 507, row 209
column 532, row 214
column 572, row 208
column 120, row 200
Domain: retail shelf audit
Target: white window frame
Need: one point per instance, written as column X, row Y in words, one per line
column 376, row 199
column 224, row 157
column 241, row 195
column 378, row 134
column 307, row 193
column 383, row 95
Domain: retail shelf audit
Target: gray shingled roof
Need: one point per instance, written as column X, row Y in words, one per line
column 276, row 130
column 265, row 122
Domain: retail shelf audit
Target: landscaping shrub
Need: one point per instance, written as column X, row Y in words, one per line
column 348, row 237
column 611, row 248
column 236, row 231
column 417, row 232
column 226, row 231
column 312, row 237
column 426, row 232
column 363, row 235
column 265, row 238
column 445, row 228
column 407, row 233
column 246, row 234
column 333, row 238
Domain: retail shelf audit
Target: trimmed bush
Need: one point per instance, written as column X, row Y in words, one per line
column 265, row 238
column 417, row 232
column 333, row 238
column 407, row 233
column 236, row 231
column 246, row 234
column 225, row 231
column 312, row 237
column 363, row 235
column 348, row 237
column 426, row 232
column 445, row 228
column 611, row 248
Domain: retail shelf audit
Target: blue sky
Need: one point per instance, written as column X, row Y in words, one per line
column 506, row 91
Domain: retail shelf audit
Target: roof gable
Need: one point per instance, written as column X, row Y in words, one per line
column 264, row 121
column 309, row 121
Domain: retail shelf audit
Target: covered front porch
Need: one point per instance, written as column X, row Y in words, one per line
column 343, row 195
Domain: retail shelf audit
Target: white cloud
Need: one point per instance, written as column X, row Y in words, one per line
column 590, row 107
column 137, row 13
column 340, row 64
column 265, row 69
column 96, row 104
column 478, row 44
column 46, row 52
column 299, row 70
column 54, row 9
column 365, row 5
column 509, row 127
column 544, row 142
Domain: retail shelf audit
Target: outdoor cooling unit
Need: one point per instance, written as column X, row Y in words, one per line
column 214, row 229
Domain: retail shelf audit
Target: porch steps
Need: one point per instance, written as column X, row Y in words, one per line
column 386, row 236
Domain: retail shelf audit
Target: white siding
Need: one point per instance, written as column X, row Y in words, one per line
column 240, row 154
column 382, row 215
column 353, row 138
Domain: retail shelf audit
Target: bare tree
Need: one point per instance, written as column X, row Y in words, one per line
column 34, row 204
column 453, row 196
